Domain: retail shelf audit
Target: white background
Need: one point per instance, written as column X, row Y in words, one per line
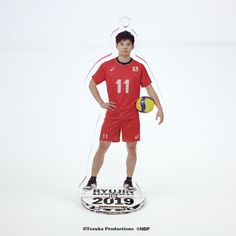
column 186, row 167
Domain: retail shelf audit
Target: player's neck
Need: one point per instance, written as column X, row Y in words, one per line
column 124, row 59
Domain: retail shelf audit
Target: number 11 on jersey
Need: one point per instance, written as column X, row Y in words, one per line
column 119, row 85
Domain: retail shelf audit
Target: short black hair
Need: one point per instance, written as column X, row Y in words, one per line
column 124, row 35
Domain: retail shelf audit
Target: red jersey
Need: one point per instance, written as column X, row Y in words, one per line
column 123, row 82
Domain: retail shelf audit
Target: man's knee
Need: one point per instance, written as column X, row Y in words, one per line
column 131, row 146
column 103, row 146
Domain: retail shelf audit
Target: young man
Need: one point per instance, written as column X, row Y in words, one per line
column 123, row 76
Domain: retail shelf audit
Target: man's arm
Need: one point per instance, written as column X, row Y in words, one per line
column 151, row 92
column 106, row 105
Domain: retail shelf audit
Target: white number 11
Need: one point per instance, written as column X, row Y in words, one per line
column 126, row 83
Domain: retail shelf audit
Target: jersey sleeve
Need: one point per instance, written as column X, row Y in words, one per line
column 99, row 75
column 145, row 79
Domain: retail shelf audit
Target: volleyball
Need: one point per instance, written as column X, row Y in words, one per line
column 145, row 104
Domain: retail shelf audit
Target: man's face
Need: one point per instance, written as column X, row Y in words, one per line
column 124, row 47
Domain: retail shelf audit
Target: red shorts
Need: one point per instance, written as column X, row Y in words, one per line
column 111, row 130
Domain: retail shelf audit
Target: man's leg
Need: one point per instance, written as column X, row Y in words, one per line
column 99, row 157
column 97, row 164
column 131, row 158
column 130, row 164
